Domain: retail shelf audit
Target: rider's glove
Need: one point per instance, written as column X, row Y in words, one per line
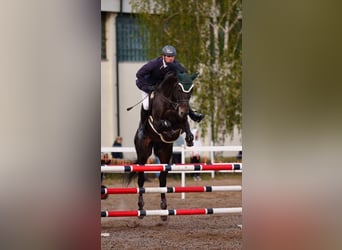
column 151, row 88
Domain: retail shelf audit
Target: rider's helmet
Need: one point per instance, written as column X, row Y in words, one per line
column 169, row 50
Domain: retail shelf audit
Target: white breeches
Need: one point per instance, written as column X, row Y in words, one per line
column 145, row 100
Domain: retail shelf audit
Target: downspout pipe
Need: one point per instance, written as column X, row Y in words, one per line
column 117, row 78
column 117, row 93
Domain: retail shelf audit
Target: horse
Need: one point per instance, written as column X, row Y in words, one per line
column 169, row 108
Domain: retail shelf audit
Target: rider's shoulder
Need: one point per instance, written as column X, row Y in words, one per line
column 153, row 63
column 156, row 60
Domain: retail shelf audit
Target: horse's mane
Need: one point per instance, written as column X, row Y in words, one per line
column 172, row 71
column 168, row 82
column 176, row 68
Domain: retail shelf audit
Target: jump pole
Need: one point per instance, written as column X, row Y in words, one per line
column 194, row 211
column 169, row 189
column 169, row 167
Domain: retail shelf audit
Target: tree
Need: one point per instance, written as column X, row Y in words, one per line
column 208, row 36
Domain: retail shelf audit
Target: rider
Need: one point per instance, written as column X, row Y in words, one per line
column 151, row 74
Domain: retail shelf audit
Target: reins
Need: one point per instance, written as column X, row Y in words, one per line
column 175, row 105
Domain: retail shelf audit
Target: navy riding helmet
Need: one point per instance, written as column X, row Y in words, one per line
column 169, row 50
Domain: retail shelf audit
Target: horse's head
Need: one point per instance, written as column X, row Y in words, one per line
column 177, row 89
column 182, row 92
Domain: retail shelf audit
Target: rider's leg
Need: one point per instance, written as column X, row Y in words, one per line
column 144, row 112
column 195, row 116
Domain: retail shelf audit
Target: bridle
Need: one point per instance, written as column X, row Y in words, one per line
column 174, row 104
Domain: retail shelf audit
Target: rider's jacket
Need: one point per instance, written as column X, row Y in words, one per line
column 153, row 72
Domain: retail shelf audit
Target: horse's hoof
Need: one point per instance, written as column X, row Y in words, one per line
column 166, row 124
column 141, row 217
column 189, row 140
column 163, row 218
column 104, row 196
column 163, row 125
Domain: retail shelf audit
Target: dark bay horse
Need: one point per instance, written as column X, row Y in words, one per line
column 169, row 108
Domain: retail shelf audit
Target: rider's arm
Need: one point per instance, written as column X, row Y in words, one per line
column 144, row 76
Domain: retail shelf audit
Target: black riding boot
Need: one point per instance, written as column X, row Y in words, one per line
column 195, row 116
column 143, row 119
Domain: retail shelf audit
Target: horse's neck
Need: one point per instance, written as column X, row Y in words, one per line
column 167, row 87
column 161, row 100
column 165, row 91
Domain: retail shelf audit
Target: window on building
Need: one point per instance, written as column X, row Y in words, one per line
column 130, row 40
column 103, row 36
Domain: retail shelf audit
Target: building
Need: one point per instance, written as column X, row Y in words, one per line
column 118, row 90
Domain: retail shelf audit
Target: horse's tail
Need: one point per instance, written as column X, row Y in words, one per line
column 127, row 179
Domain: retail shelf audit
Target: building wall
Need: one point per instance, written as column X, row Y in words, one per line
column 118, row 89
column 118, row 79
column 129, row 95
column 108, row 85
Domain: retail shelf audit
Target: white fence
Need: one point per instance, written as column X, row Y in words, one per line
column 182, row 149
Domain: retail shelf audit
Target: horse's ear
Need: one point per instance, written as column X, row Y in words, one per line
column 193, row 76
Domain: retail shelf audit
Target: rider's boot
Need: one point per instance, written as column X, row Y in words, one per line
column 143, row 119
column 195, row 116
